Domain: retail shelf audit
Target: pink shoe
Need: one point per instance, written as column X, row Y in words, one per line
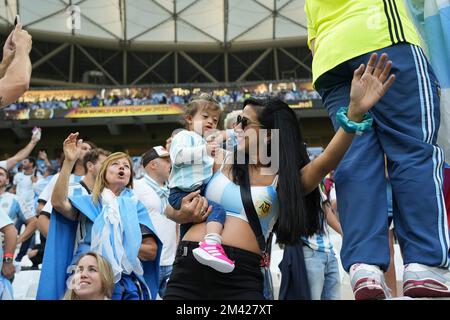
column 212, row 255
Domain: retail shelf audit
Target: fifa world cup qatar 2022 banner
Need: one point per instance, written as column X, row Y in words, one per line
column 93, row 112
column 118, row 111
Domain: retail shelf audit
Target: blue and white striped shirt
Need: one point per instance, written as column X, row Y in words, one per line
column 15, row 208
column 320, row 241
column 46, row 194
column 191, row 165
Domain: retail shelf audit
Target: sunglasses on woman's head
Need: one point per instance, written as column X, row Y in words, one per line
column 245, row 122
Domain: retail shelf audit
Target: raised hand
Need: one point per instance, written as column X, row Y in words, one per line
column 36, row 134
column 72, row 147
column 21, row 39
column 369, row 84
column 42, row 155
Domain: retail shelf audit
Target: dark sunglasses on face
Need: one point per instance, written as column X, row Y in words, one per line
column 245, row 122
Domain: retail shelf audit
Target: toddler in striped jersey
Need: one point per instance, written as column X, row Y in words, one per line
column 192, row 159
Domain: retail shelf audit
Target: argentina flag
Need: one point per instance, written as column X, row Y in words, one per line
column 432, row 18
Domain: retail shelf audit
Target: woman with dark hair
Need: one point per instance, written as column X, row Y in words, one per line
column 283, row 189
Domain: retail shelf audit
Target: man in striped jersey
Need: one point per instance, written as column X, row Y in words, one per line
column 342, row 34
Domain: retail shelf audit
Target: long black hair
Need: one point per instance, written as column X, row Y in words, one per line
column 299, row 214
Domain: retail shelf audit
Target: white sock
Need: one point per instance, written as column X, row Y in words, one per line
column 213, row 238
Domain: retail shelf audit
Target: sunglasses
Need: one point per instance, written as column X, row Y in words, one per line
column 245, row 122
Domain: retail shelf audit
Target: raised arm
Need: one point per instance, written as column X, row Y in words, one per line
column 25, row 152
column 60, row 200
column 43, row 156
column 17, row 76
column 368, row 86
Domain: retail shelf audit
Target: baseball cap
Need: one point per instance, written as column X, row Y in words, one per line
column 153, row 153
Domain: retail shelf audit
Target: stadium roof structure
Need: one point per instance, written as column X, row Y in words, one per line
column 140, row 42
column 162, row 24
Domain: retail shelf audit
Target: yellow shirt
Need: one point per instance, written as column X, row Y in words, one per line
column 345, row 29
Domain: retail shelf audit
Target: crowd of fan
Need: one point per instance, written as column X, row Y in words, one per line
column 225, row 97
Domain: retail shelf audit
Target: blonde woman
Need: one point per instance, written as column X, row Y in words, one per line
column 93, row 279
column 110, row 221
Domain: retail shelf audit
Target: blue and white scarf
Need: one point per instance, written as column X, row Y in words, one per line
column 162, row 192
column 60, row 243
column 110, row 232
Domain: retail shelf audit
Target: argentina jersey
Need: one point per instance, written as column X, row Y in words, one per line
column 75, row 189
column 46, row 194
column 265, row 199
column 15, row 208
column 320, row 241
column 191, row 166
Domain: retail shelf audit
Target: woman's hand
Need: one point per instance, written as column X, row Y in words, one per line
column 196, row 207
column 72, row 147
column 369, row 84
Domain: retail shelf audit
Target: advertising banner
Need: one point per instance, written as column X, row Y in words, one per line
column 93, row 112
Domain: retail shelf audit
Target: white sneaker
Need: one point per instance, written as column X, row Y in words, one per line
column 424, row 281
column 368, row 282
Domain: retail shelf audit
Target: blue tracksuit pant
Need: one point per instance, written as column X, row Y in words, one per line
column 406, row 122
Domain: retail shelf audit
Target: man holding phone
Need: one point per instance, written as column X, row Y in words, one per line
column 15, row 68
